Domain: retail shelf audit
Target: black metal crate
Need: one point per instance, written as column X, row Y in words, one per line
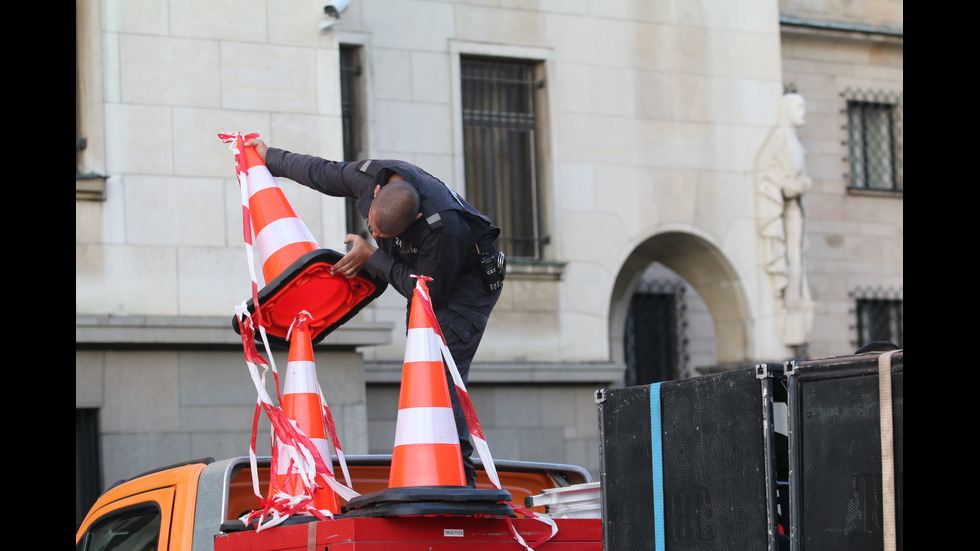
column 846, row 458
column 691, row 463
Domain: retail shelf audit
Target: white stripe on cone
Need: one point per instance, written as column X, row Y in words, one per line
column 425, row 426
column 279, row 233
column 260, row 178
column 301, row 378
column 422, row 345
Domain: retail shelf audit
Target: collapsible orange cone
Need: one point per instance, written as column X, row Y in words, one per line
column 280, row 234
column 297, row 271
column 301, row 404
column 426, row 449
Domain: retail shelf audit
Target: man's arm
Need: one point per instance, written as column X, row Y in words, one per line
column 327, row 177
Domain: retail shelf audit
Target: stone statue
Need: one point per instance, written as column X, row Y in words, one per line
column 782, row 181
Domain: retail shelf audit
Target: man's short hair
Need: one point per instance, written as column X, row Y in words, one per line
column 395, row 207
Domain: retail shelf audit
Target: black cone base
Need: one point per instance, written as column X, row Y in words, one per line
column 307, row 284
column 431, row 500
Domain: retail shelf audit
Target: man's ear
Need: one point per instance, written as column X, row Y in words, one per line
column 376, row 190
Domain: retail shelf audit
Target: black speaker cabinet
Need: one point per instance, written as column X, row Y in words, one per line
column 688, row 465
column 846, row 446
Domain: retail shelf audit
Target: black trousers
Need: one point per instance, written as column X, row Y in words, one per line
column 462, row 325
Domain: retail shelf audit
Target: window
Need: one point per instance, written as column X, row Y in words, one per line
column 880, row 317
column 350, row 73
column 88, row 466
column 874, row 140
column 500, row 98
column 136, row 528
column 80, row 141
column 656, row 345
column 90, row 178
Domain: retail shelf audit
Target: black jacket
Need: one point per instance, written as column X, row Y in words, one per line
column 440, row 245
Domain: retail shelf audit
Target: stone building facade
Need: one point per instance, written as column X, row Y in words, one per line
column 648, row 120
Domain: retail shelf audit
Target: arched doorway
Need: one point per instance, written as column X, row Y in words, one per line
column 669, row 331
column 678, row 269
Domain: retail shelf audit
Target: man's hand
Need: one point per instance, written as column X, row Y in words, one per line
column 355, row 260
column 259, row 146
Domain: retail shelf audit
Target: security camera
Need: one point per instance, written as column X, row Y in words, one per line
column 331, row 14
column 335, row 8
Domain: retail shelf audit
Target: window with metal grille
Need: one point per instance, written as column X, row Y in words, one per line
column 880, row 317
column 500, row 120
column 656, row 346
column 874, row 140
column 351, row 116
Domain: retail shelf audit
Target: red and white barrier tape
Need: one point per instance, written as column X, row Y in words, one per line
column 289, row 440
column 302, row 453
column 237, row 141
column 476, row 431
column 328, row 422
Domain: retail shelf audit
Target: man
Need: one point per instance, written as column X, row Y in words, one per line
column 422, row 228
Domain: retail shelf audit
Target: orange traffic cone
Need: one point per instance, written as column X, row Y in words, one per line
column 297, row 271
column 280, row 234
column 426, row 476
column 426, row 449
column 301, row 405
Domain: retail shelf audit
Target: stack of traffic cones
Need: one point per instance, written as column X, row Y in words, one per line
column 426, row 466
column 301, row 303
column 296, row 270
column 302, row 406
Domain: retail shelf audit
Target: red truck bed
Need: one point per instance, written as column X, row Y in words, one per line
column 433, row 533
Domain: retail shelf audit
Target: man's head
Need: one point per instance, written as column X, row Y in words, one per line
column 395, row 207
